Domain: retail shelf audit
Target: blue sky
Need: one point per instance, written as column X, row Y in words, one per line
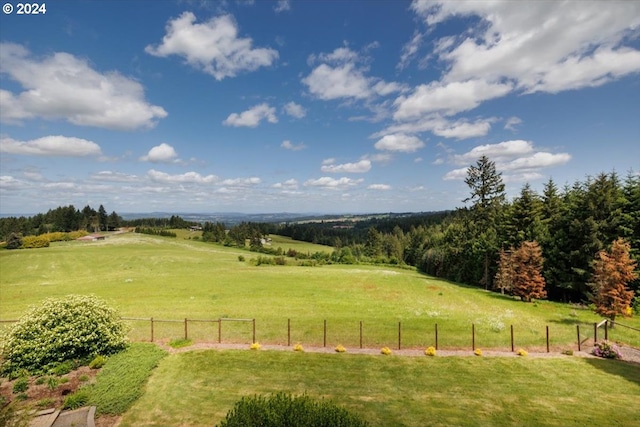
column 310, row 106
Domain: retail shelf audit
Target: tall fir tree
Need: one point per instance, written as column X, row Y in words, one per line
column 528, row 282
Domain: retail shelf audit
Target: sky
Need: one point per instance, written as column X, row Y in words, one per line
column 308, row 106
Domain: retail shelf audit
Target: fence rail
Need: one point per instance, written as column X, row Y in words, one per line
column 433, row 337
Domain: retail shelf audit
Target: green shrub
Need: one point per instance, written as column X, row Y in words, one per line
column 63, row 368
column 180, row 343
column 52, row 383
column 45, row 403
column 61, row 329
column 21, row 385
column 97, row 362
column 32, row 242
column 76, row 400
column 284, row 410
column 14, row 241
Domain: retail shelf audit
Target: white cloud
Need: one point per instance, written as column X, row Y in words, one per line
column 54, row 145
column 252, row 117
column 288, row 185
column 332, row 183
column 213, row 46
column 80, row 95
column 512, row 123
column 288, row 145
column 379, row 187
column 447, row 98
column 241, row 182
column 358, row 167
column 111, row 176
column 441, row 126
column 409, row 50
column 295, row 110
column 541, row 46
column 185, row 178
column 282, row 5
column 163, row 153
column 399, row 142
column 339, row 76
column 519, row 160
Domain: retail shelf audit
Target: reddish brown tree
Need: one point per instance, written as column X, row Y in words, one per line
column 528, row 282
column 504, row 276
column 611, row 273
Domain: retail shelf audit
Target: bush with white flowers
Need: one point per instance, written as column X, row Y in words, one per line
column 75, row 327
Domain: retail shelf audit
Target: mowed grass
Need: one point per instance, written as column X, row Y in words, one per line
column 199, row 387
column 165, row 278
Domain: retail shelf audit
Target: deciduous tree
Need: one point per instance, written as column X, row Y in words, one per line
column 612, row 271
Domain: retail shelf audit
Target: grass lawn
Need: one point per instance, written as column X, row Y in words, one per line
column 198, row 388
column 144, row 276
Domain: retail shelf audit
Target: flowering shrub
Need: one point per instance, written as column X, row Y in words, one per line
column 607, row 350
column 340, row 348
column 255, row 346
column 298, row 347
column 74, row 327
column 477, row 352
column 385, row 350
column 521, row 352
column 430, row 351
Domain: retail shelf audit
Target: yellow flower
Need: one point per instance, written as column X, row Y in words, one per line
column 477, row 352
column 255, row 346
column 340, row 349
column 385, row 350
column 298, row 347
column 521, row 352
column 431, row 351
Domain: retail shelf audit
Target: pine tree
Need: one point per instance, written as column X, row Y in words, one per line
column 612, row 271
column 504, row 276
column 528, row 282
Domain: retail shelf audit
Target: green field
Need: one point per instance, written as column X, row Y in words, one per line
column 149, row 276
column 199, row 387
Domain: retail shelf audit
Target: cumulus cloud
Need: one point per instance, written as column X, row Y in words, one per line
column 517, row 159
column 409, row 50
column 379, row 187
column 295, row 110
column 540, row 46
column 163, row 153
column 242, row 182
column 329, row 183
column 288, row 185
column 448, row 98
column 288, row 145
column 212, row 46
column 112, row 176
column 252, row 117
column 80, row 95
column 53, row 145
column 341, row 76
column 512, row 123
column 185, row 178
column 399, row 142
column 358, row 167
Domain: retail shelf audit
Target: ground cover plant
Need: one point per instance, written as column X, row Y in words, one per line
column 203, row 281
column 398, row 391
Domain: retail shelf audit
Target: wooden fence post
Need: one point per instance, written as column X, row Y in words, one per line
column 512, row 349
column 219, row 331
column 152, row 329
column 606, row 330
column 595, row 333
column 185, row 329
column 547, row 327
column 324, row 340
column 436, row 336
column 578, row 332
column 288, row 332
column 254, row 330
column 399, row 335
column 361, row 334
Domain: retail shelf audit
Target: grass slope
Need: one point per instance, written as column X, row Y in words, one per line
column 198, row 388
column 146, row 276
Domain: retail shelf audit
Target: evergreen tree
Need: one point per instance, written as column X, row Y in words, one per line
column 488, row 198
column 612, row 271
column 102, row 218
column 504, row 276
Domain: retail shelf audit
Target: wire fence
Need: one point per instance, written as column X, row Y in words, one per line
column 375, row 333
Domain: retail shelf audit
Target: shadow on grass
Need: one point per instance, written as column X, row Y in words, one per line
column 628, row 370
